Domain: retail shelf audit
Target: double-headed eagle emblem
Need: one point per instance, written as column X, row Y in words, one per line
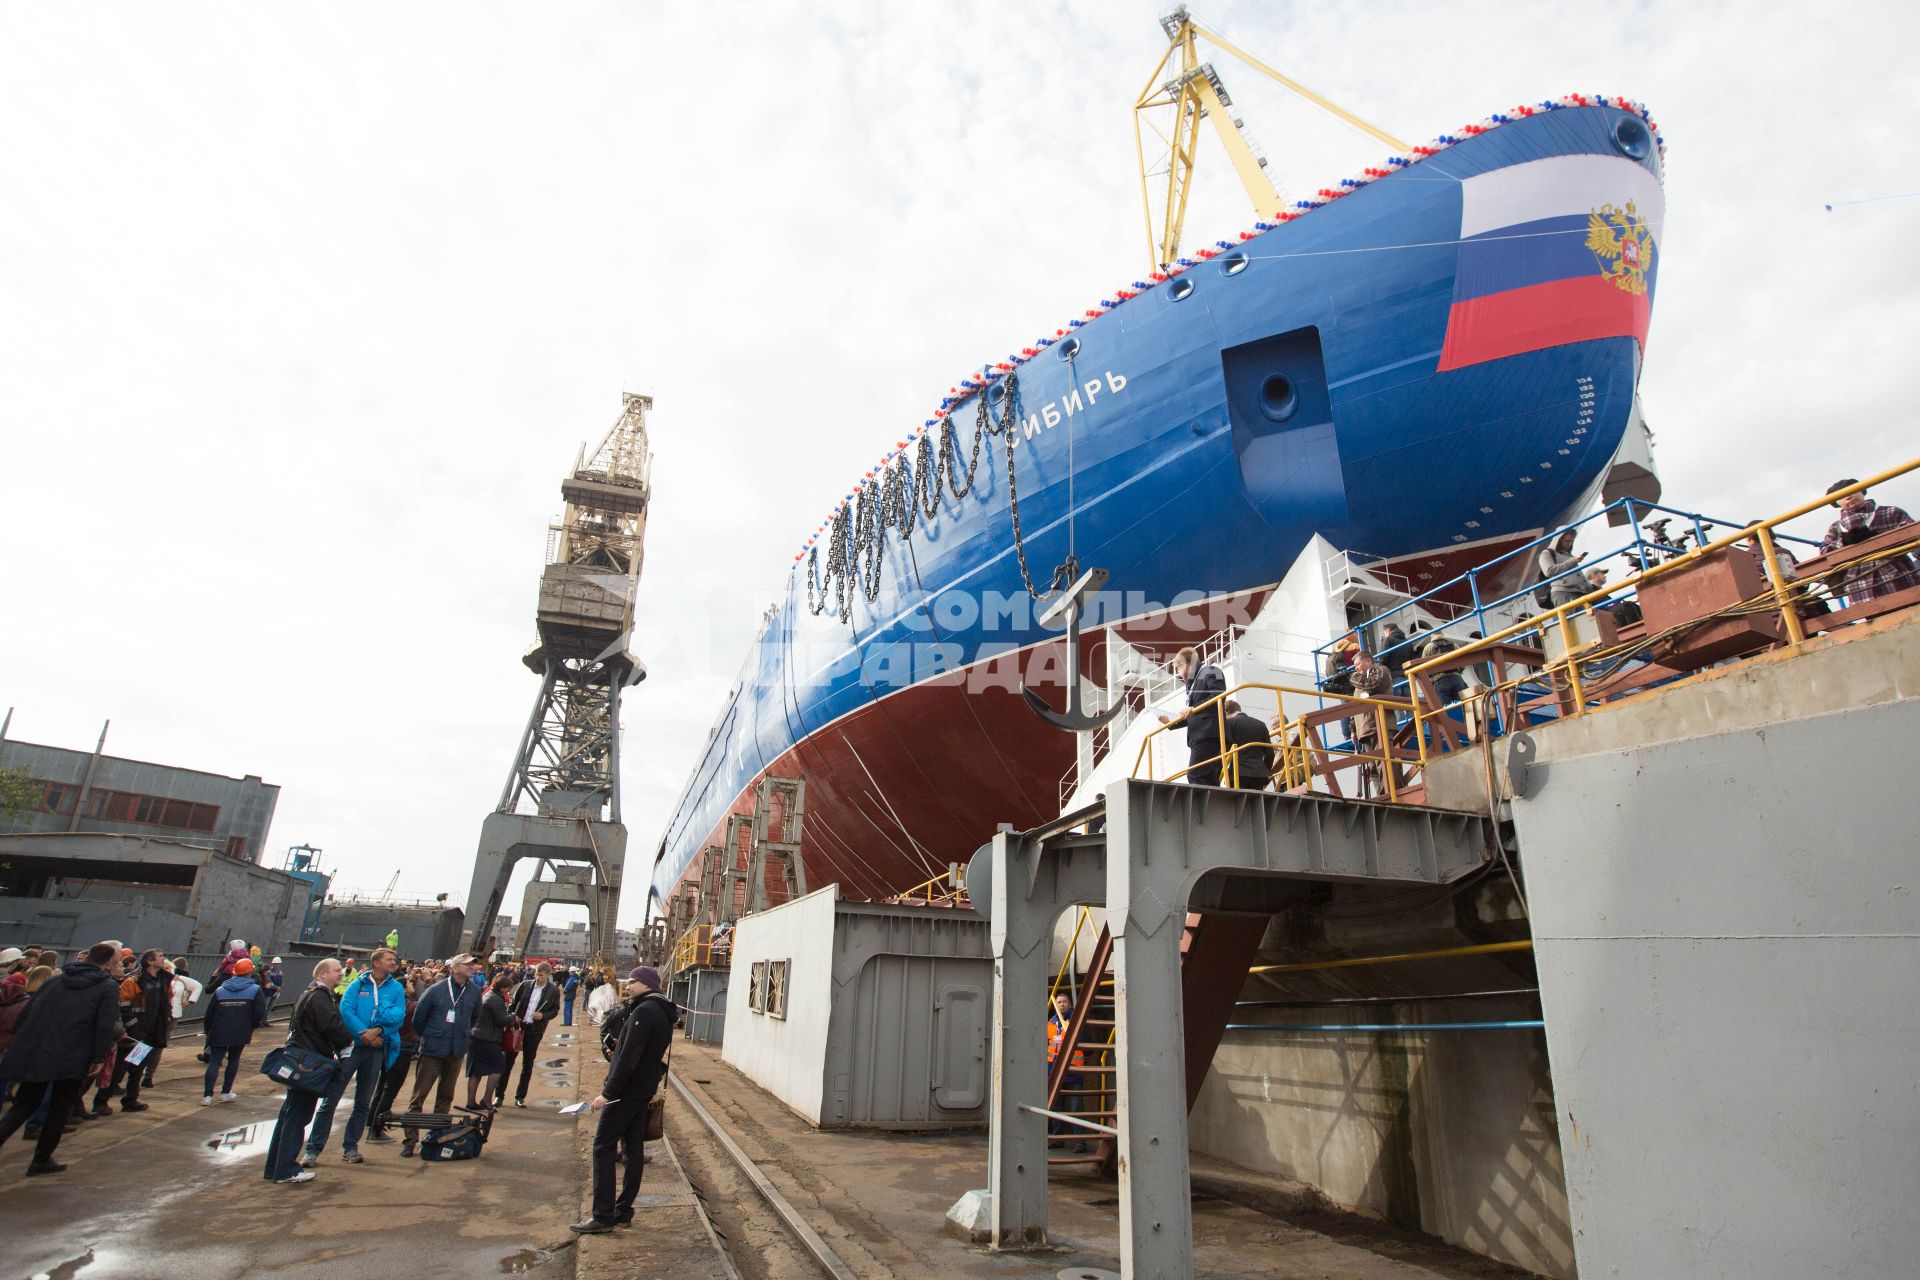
column 1622, row 245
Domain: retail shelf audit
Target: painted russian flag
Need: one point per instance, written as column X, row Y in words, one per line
column 1553, row 251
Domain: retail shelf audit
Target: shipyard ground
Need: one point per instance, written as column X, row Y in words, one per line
column 177, row 1190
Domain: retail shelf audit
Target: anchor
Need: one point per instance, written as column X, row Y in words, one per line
column 1076, row 718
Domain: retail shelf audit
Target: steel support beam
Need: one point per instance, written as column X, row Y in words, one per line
column 1033, row 881
column 506, row 838
column 1161, row 838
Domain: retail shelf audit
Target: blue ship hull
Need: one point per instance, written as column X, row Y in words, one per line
column 1205, row 430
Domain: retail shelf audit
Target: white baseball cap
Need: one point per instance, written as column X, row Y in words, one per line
column 10, row 955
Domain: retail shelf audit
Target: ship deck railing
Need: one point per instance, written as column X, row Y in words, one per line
column 948, row 889
column 1565, row 661
column 1140, row 681
column 1318, row 748
column 1511, row 580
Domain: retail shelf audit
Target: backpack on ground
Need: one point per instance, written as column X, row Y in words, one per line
column 460, row 1138
column 461, row 1141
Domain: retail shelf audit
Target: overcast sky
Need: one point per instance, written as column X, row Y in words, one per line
column 304, row 311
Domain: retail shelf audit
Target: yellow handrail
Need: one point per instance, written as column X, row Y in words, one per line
column 687, row 948
column 1060, row 977
column 1293, row 756
column 1780, row 588
column 923, row 893
column 1349, row 962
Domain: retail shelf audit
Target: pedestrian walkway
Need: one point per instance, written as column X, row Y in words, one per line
column 177, row 1191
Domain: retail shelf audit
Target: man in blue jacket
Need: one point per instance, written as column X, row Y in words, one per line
column 239, row 1009
column 444, row 1018
column 373, row 1006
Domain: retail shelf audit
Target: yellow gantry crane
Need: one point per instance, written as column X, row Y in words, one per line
column 1194, row 91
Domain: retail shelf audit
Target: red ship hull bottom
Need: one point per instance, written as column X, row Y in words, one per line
column 905, row 786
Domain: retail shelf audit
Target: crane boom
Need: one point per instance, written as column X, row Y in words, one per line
column 1195, row 91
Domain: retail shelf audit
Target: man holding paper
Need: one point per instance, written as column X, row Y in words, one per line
column 634, row 1074
column 146, row 1012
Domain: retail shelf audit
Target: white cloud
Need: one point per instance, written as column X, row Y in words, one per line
column 305, row 312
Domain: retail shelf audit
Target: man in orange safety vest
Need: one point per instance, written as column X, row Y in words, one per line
column 1069, row 1100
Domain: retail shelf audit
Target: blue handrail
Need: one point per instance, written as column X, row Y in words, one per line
column 1643, row 550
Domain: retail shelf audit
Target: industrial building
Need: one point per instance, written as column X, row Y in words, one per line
column 168, row 855
column 572, row 942
column 425, row 927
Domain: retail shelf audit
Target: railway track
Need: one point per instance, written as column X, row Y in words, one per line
column 714, row 1236
column 744, row 1232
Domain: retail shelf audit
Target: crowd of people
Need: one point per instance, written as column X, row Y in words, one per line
column 105, row 1019
column 102, row 1019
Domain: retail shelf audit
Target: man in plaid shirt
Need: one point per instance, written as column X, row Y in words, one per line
column 1861, row 518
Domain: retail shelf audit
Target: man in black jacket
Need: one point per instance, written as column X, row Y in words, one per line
column 146, row 1013
column 1253, row 755
column 536, row 1003
column 317, row 1028
column 1204, row 683
column 66, row 1033
column 633, row 1076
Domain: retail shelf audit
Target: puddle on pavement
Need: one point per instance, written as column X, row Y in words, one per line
column 516, row 1264
column 247, row 1140
column 553, row 1062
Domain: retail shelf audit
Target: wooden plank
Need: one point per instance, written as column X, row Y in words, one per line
column 1860, row 612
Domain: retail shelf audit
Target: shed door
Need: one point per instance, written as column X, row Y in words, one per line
column 919, row 1055
column 960, row 1047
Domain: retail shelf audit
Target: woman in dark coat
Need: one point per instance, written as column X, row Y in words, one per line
column 485, row 1058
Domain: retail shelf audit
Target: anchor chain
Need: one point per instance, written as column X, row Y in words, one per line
column 910, row 490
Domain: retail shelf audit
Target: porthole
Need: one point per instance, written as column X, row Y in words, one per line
column 1278, row 399
column 1632, row 138
column 1233, row 263
column 1179, row 289
column 1069, row 348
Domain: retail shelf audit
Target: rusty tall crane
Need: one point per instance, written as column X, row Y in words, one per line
column 561, row 803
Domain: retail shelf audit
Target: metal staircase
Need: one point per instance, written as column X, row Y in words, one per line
column 1216, row 949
